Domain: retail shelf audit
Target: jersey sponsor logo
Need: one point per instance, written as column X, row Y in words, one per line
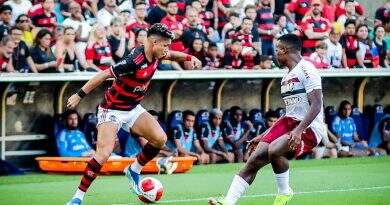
column 142, row 88
column 292, row 100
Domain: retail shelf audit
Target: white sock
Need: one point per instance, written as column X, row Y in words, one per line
column 237, row 188
column 136, row 167
column 283, row 180
column 79, row 194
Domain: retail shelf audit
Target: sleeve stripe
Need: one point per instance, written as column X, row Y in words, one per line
column 112, row 72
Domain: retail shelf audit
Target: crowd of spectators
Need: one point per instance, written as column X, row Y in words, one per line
column 75, row 35
column 221, row 137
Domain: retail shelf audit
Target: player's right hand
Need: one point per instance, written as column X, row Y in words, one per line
column 73, row 101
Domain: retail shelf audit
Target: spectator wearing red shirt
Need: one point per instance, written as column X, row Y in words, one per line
column 329, row 10
column 233, row 58
column 250, row 55
column 6, row 49
column 300, row 8
column 350, row 46
column 174, row 25
column 315, row 28
column 265, row 21
column 43, row 16
column 224, row 9
column 251, row 13
column 382, row 14
column 340, row 8
column 209, row 14
column 139, row 20
column 98, row 52
column 196, row 49
column 231, row 26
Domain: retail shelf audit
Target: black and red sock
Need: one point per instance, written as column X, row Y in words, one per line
column 147, row 154
column 90, row 173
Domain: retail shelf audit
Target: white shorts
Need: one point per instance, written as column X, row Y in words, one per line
column 124, row 119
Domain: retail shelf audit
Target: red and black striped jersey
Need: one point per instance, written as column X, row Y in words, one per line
column 40, row 19
column 132, row 78
column 100, row 54
column 265, row 21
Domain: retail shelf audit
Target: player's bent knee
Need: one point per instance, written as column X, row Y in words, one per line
column 159, row 140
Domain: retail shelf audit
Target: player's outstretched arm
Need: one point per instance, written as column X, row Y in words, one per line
column 315, row 101
column 95, row 81
column 181, row 57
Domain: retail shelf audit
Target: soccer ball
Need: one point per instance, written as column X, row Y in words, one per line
column 151, row 190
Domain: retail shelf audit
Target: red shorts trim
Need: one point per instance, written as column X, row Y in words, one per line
column 284, row 126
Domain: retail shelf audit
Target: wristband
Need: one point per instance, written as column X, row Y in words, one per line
column 188, row 58
column 81, row 93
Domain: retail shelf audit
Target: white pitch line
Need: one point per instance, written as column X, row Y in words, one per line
column 273, row 194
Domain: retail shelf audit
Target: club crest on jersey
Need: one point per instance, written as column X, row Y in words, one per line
column 144, row 66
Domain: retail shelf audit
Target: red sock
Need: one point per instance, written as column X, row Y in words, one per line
column 147, row 154
column 90, row 173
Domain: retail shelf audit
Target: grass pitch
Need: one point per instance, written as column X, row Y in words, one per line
column 355, row 181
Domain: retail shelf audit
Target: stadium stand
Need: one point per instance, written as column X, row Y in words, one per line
column 85, row 49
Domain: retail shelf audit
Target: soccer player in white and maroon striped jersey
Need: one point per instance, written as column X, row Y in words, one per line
column 294, row 134
column 121, row 107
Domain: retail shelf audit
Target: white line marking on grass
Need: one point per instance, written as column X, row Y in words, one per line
column 273, row 194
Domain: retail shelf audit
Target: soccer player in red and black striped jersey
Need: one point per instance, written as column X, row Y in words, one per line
column 120, row 107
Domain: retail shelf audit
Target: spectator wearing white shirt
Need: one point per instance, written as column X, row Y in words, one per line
column 350, row 12
column 82, row 28
column 108, row 12
column 334, row 53
column 18, row 7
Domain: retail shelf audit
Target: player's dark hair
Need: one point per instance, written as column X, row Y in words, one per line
column 291, row 41
column 161, row 30
column 188, row 113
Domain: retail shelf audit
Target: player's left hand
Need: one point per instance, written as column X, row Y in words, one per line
column 196, row 63
column 294, row 139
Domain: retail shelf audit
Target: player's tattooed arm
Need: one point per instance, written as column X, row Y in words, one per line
column 315, row 101
column 94, row 82
column 181, row 57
